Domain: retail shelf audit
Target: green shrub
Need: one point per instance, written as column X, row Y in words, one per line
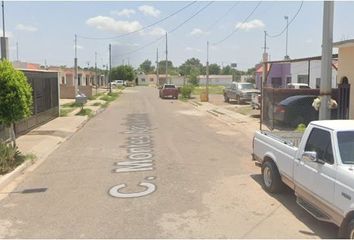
column 10, row 158
column 300, row 128
column 85, row 112
column 72, row 105
column 186, row 91
column 65, row 111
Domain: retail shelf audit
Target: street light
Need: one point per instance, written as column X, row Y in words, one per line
column 286, row 44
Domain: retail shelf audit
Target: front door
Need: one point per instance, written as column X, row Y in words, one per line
column 317, row 178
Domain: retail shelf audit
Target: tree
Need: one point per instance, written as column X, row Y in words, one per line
column 227, row 70
column 15, row 96
column 193, row 76
column 123, row 72
column 146, row 67
column 192, row 63
column 214, row 69
column 170, row 68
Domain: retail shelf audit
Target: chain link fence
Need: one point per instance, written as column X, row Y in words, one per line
column 285, row 109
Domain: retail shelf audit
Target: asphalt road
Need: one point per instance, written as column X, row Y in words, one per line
column 152, row 168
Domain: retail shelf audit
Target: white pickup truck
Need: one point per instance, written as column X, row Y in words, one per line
column 318, row 166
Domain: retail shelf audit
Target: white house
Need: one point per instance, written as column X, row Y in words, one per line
column 309, row 72
column 216, row 79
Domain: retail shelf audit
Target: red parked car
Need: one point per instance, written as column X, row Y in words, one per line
column 169, row 90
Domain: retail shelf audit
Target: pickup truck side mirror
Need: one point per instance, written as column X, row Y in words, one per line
column 311, row 156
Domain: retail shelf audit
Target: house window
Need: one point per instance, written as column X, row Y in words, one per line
column 143, row 79
column 151, row 79
column 303, row 79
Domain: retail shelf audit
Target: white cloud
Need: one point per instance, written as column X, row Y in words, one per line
column 157, row 31
column 111, row 25
column 198, row 32
column 190, row 49
column 309, row 40
column 250, row 25
column 149, row 11
column 124, row 13
column 26, row 28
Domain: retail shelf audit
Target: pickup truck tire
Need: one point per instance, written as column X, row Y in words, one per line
column 271, row 178
column 350, row 230
column 238, row 101
column 226, row 99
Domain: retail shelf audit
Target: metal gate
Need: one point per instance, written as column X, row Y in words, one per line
column 343, row 99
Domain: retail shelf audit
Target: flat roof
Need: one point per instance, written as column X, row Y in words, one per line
column 345, row 43
column 336, row 125
column 36, row 70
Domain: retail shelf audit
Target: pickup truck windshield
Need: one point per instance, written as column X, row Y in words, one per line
column 346, row 146
column 170, row 86
column 245, row 86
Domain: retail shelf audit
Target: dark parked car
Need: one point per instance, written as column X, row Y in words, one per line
column 297, row 109
column 169, row 90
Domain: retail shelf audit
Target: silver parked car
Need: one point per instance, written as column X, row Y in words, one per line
column 239, row 91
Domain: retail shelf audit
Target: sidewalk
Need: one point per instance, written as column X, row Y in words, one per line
column 229, row 117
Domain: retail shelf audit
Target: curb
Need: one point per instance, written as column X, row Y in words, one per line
column 6, row 179
column 19, row 170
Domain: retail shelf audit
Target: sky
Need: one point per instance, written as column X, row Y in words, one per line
column 45, row 31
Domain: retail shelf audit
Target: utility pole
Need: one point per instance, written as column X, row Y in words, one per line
column 286, row 41
column 157, row 67
column 166, row 61
column 207, row 74
column 264, row 77
column 110, row 68
column 96, row 79
column 4, row 40
column 326, row 61
column 75, row 68
column 17, row 52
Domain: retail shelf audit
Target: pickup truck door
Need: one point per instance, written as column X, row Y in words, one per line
column 317, row 178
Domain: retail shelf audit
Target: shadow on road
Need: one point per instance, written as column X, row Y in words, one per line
column 287, row 199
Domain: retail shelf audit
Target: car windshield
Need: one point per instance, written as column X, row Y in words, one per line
column 245, row 86
column 170, row 86
column 346, row 146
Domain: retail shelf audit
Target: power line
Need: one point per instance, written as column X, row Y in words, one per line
column 236, row 30
column 171, row 31
column 148, row 26
column 187, row 20
column 297, row 13
column 224, row 15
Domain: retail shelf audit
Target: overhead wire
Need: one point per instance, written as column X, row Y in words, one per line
column 237, row 29
column 141, row 29
column 171, row 31
column 287, row 25
column 224, row 15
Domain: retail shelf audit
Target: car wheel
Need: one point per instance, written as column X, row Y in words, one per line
column 238, row 101
column 226, row 98
column 271, row 178
column 350, row 230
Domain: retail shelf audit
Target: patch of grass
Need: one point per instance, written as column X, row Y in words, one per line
column 10, row 158
column 94, row 97
column 212, row 90
column 96, row 104
column 85, row 112
column 183, row 99
column 105, row 105
column 65, row 111
column 72, row 105
column 110, row 97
